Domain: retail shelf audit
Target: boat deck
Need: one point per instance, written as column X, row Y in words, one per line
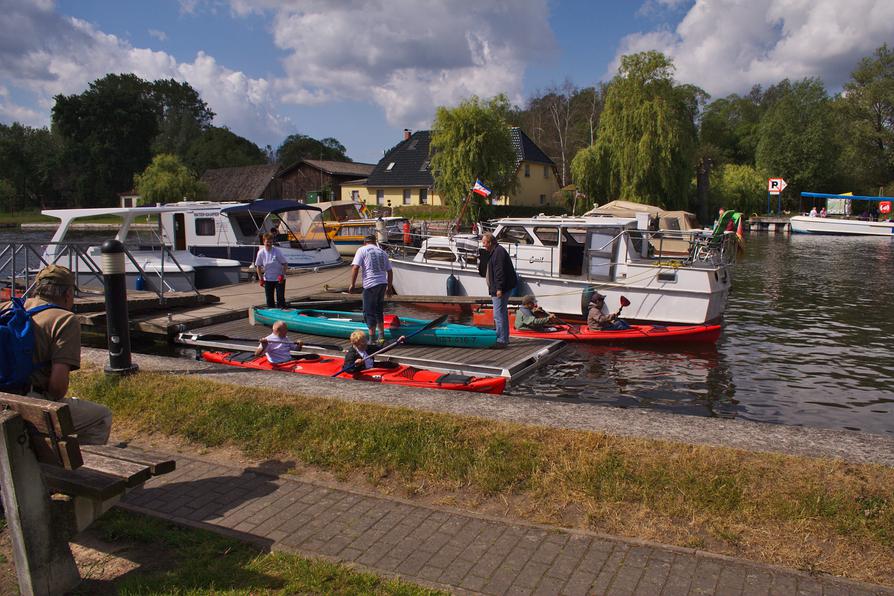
column 520, row 358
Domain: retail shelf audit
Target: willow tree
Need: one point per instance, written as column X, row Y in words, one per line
column 472, row 141
column 166, row 180
column 646, row 141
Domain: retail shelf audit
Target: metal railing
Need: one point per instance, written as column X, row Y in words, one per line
column 22, row 261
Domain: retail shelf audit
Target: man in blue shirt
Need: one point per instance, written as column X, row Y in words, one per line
column 377, row 277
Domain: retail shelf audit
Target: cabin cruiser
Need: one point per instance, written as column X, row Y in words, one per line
column 234, row 231
column 563, row 260
column 151, row 261
column 348, row 235
column 658, row 219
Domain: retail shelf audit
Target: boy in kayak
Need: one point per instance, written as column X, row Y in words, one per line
column 276, row 345
column 531, row 317
column 360, row 353
column 596, row 321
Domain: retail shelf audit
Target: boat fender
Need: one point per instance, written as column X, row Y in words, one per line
column 452, row 285
column 140, row 283
column 585, row 300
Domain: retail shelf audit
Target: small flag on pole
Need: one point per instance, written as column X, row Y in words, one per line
column 480, row 189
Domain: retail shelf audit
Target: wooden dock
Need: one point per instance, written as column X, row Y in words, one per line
column 777, row 224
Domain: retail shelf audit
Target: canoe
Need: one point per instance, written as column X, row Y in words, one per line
column 643, row 333
column 398, row 374
column 335, row 323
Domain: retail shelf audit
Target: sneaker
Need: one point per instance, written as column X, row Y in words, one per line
column 499, row 346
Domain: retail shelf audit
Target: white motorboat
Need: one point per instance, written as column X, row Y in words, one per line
column 563, row 260
column 151, row 262
column 803, row 224
column 234, row 231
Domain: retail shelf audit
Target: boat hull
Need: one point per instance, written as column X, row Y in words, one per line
column 406, row 376
column 801, row 224
column 331, row 323
column 636, row 333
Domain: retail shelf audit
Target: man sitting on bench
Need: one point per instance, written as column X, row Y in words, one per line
column 57, row 352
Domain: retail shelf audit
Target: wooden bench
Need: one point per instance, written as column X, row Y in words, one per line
column 53, row 488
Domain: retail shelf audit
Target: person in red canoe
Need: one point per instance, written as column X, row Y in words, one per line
column 530, row 317
column 277, row 346
column 360, row 353
column 597, row 321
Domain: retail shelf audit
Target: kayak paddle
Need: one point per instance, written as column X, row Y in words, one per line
column 430, row 325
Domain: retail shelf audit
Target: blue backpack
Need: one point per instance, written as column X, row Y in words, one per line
column 17, row 346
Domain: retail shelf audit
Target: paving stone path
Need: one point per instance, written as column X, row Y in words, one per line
column 447, row 549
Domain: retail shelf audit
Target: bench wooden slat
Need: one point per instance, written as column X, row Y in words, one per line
column 158, row 463
column 83, row 482
column 68, row 457
column 132, row 474
column 34, row 412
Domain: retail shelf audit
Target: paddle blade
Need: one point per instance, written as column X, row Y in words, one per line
column 624, row 301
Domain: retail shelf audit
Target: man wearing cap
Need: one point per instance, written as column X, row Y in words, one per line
column 376, row 279
column 57, row 352
column 596, row 321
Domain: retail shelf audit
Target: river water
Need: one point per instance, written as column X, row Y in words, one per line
column 807, row 340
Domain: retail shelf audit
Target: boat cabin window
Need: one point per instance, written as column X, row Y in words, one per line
column 245, row 224
column 205, row 226
column 572, row 257
column 602, row 249
column 439, row 254
column 547, row 236
column 515, row 235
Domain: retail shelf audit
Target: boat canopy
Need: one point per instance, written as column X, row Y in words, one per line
column 822, row 195
column 265, row 207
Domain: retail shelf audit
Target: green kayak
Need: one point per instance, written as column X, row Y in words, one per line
column 336, row 323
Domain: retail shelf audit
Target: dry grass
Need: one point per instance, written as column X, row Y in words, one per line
column 813, row 514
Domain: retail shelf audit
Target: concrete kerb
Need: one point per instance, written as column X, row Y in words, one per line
column 850, row 446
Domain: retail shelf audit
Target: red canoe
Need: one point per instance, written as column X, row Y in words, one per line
column 399, row 374
column 645, row 333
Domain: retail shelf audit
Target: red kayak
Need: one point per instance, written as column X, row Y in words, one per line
column 645, row 333
column 397, row 374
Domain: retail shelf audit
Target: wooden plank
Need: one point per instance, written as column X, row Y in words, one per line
column 68, row 455
column 83, row 482
column 132, row 473
column 158, row 463
column 35, row 411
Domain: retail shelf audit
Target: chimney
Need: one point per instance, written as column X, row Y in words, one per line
column 407, row 134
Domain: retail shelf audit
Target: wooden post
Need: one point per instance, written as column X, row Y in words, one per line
column 43, row 559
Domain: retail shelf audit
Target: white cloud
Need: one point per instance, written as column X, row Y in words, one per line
column 45, row 54
column 159, row 35
column 407, row 57
column 726, row 46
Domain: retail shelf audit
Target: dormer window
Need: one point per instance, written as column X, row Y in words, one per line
column 391, row 165
column 424, row 166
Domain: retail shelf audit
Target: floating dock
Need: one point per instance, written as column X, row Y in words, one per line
column 520, row 358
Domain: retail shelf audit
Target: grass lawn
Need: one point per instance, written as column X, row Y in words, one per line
column 798, row 512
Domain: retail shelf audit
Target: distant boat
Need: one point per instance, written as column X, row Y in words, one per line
column 844, row 226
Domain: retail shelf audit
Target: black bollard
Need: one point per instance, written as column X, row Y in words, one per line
column 117, row 324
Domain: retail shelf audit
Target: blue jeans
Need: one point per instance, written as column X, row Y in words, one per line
column 374, row 305
column 501, row 317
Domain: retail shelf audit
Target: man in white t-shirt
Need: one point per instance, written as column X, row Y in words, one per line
column 271, row 264
column 277, row 346
column 376, row 279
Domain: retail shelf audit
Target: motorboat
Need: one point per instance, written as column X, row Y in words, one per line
column 659, row 219
column 152, row 259
column 563, row 260
column 348, row 235
column 235, row 231
column 841, row 222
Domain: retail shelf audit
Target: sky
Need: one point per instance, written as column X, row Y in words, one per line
column 363, row 70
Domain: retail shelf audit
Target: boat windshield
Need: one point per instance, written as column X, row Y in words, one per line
column 307, row 229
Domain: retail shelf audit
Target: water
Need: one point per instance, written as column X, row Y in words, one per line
column 807, row 341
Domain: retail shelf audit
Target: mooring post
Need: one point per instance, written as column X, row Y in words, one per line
column 117, row 324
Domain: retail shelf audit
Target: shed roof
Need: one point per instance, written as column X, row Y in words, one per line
column 334, row 168
column 241, row 184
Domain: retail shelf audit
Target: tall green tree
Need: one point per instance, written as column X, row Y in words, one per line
column 472, row 140
column 646, row 141
column 298, row 146
column 108, row 132
column 729, row 127
column 166, row 180
column 218, row 147
column 182, row 116
column 29, row 161
column 798, row 140
column 738, row 186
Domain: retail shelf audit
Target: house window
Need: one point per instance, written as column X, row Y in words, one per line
column 406, row 196
column 391, row 165
column 527, row 170
column 542, row 199
column 546, row 171
column 355, row 196
column 423, row 196
column 204, row 226
column 380, row 197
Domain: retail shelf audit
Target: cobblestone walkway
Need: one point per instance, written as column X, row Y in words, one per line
column 451, row 550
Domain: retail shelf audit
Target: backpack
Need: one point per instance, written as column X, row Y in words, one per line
column 17, row 346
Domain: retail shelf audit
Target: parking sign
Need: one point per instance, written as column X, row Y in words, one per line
column 776, row 185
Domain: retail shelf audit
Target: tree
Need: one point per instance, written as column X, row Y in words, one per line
column 298, row 146
column 221, row 148
column 29, row 161
column 586, row 174
column 646, row 141
column 472, row 141
column 798, row 140
column 166, row 180
column 740, row 187
column 182, row 116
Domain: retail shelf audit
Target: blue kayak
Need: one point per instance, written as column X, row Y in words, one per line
column 336, row 323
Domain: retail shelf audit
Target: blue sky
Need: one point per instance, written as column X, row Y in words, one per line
column 362, row 70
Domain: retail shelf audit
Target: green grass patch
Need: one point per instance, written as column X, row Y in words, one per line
column 200, row 562
column 20, row 217
column 761, row 503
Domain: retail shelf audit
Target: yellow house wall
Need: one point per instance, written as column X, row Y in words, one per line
column 531, row 187
column 394, row 197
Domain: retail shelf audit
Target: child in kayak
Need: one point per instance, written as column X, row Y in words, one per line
column 361, row 354
column 596, row 321
column 277, row 346
column 531, row 317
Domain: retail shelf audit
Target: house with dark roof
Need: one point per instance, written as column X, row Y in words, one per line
column 309, row 178
column 242, row 184
column 403, row 176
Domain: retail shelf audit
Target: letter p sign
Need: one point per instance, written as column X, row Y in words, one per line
column 776, row 185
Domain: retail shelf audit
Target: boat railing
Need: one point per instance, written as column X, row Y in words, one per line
column 20, row 262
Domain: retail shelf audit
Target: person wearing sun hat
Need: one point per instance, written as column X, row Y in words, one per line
column 598, row 321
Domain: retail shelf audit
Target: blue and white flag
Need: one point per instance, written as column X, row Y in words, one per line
column 480, row 189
